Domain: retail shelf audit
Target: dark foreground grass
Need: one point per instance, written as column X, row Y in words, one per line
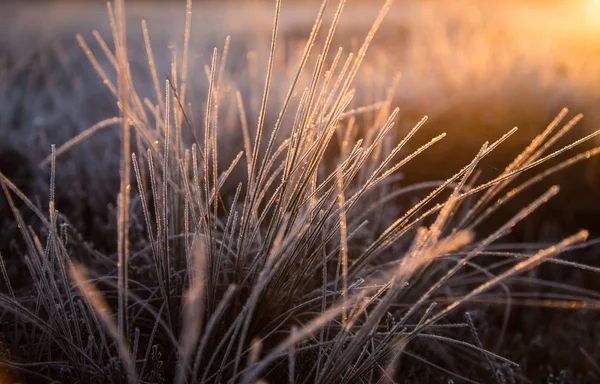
column 303, row 257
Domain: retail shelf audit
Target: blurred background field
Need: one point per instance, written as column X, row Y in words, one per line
column 476, row 68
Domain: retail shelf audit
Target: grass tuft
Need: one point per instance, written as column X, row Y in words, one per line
column 306, row 270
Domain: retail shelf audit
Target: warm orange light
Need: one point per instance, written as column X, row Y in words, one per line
column 590, row 17
column 593, row 8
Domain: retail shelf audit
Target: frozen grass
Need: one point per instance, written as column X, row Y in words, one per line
column 288, row 260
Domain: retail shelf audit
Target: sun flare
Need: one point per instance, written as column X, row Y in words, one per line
column 593, row 9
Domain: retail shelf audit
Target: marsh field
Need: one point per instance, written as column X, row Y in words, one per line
column 304, row 192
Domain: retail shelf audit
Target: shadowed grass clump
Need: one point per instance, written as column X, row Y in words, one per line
column 289, row 260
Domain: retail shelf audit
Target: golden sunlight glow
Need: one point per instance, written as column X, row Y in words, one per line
column 593, row 9
column 588, row 18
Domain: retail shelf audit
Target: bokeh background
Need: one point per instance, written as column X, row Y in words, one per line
column 476, row 68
